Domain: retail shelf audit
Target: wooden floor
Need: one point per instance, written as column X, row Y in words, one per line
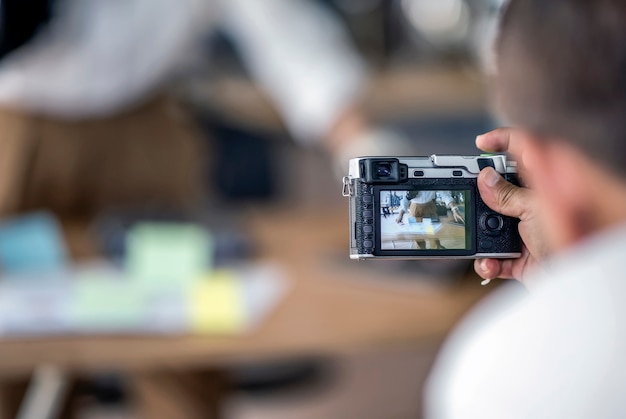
column 370, row 384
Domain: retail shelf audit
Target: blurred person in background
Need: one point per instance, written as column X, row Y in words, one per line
column 556, row 351
column 85, row 122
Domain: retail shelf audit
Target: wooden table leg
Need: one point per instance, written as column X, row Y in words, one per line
column 17, row 394
column 179, row 395
column 11, row 395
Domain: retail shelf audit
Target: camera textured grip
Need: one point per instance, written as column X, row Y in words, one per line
column 363, row 216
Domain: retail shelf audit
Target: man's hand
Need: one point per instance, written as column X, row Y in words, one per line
column 508, row 199
column 457, row 215
column 400, row 216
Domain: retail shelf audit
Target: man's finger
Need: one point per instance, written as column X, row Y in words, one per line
column 502, row 196
column 496, row 141
column 488, row 268
column 494, row 268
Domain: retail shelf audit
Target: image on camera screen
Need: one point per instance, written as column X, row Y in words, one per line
column 423, row 219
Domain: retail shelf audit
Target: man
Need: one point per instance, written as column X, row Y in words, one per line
column 85, row 116
column 421, row 204
column 557, row 351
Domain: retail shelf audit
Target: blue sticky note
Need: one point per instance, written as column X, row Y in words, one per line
column 32, row 243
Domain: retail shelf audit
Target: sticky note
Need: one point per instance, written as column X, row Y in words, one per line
column 111, row 305
column 217, row 304
column 32, row 243
column 168, row 252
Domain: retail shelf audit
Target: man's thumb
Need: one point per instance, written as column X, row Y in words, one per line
column 501, row 196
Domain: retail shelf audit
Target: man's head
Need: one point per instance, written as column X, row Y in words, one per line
column 562, row 73
column 562, row 80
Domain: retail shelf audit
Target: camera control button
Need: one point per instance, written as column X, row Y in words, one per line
column 368, row 243
column 368, row 214
column 368, row 229
column 485, row 162
column 485, row 244
column 493, row 222
column 367, row 199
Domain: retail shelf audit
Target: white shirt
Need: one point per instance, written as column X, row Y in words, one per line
column 424, row 197
column 558, row 351
column 97, row 57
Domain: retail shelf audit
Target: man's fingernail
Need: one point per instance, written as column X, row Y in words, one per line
column 483, row 265
column 491, row 177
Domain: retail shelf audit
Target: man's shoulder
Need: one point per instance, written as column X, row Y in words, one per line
column 563, row 334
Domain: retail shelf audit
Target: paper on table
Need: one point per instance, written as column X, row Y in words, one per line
column 231, row 301
column 426, row 227
column 34, row 310
column 33, row 242
column 102, row 299
column 107, row 300
column 102, row 305
column 217, row 304
column 168, row 252
column 264, row 286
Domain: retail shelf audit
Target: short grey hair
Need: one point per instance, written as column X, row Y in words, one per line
column 562, row 73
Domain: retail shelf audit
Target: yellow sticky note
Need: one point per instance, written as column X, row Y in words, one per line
column 217, row 304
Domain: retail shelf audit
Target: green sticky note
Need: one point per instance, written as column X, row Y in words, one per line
column 168, row 252
column 217, row 304
column 111, row 305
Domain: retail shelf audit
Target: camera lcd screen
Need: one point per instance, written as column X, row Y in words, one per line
column 424, row 220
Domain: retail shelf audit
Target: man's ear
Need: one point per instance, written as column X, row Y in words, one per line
column 561, row 176
column 567, row 172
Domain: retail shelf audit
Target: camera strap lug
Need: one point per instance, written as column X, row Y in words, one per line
column 347, row 186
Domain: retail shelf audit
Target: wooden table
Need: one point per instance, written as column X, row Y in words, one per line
column 333, row 305
column 447, row 231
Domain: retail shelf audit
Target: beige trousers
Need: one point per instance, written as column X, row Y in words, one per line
column 151, row 155
column 419, row 211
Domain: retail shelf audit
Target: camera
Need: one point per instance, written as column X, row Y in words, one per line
column 427, row 208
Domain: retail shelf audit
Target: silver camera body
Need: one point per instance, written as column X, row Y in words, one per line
column 427, row 208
